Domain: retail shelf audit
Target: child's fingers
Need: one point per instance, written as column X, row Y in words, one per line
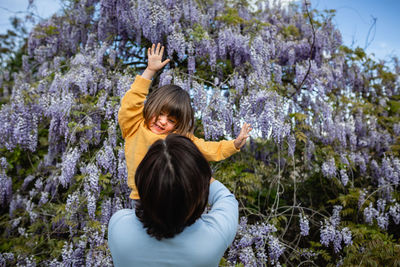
column 165, row 62
column 248, row 127
column 244, row 133
column 162, row 50
column 158, row 49
column 150, row 51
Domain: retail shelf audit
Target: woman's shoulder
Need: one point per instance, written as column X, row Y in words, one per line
column 120, row 215
column 123, row 212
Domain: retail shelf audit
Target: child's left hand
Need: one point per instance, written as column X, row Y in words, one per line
column 154, row 61
column 242, row 137
column 154, row 55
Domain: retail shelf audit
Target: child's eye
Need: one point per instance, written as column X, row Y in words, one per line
column 172, row 121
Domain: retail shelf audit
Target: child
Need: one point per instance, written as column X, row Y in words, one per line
column 166, row 110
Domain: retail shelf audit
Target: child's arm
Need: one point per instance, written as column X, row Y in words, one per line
column 219, row 150
column 131, row 112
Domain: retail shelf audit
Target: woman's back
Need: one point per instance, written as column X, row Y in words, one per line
column 200, row 244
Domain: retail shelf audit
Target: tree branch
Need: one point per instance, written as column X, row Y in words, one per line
column 306, row 3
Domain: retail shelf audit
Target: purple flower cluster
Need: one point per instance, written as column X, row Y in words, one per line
column 72, row 254
column 291, row 144
column 361, row 198
column 394, row 211
column 19, row 119
column 105, row 158
column 335, row 218
column 329, row 168
column 255, row 245
column 68, row 168
column 199, row 96
column 91, row 188
column 5, row 189
column 396, row 129
column 72, row 204
column 166, row 78
column 3, row 163
column 389, row 171
column 72, row 208
column 264, row 111
column 329, row 232
column 217, row 117
column 6, row 258
column 122, row 172
column 304, row 225
column 343, row 176
column 106, row 211
column 381, row 215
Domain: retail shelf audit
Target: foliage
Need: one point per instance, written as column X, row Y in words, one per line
column 317, row 183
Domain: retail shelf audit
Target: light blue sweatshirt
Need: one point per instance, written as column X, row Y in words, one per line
column 201, row 244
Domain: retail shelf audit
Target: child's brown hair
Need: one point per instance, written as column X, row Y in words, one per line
column 174, row 101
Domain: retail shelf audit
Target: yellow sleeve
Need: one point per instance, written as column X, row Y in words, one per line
column 215, row 151
column 130, row 114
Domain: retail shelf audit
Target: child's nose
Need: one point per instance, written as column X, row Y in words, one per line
column 163, row 119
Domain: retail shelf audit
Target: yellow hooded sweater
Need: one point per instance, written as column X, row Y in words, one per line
column 138, row 137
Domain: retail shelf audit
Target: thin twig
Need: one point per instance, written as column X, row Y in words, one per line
column 306, row 4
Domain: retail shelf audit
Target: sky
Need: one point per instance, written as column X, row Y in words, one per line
column 373, row 25
column 355, row 20
column 10, row 8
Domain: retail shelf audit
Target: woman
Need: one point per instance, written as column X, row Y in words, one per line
column 168, row 226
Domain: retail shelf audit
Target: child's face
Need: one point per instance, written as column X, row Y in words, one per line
column 165, row 124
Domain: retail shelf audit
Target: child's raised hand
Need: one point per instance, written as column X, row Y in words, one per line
column 154, row 55
column 242, row 137
column 154, row 63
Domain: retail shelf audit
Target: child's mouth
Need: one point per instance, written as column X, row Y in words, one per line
column 158, row 127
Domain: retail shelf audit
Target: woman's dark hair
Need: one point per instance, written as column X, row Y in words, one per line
column 173, row 183
column 174, row 101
